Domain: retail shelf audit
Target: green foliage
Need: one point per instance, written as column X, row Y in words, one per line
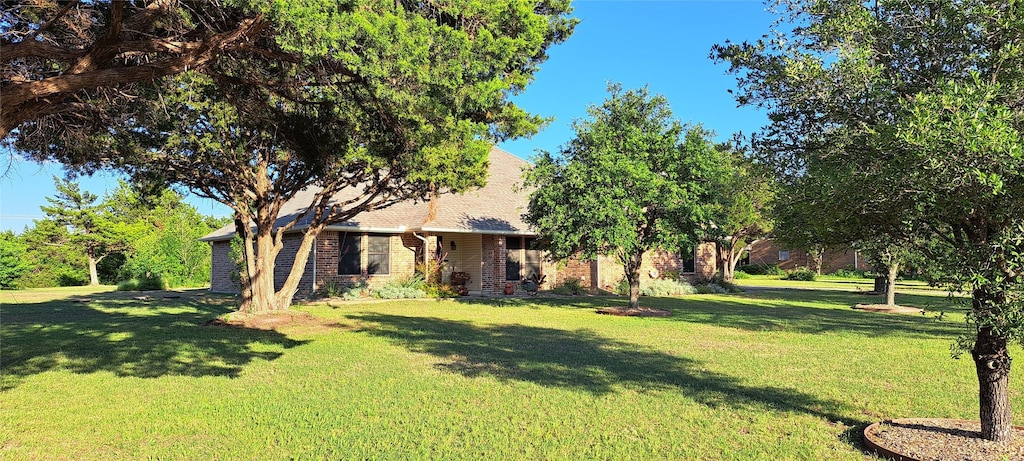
column 802, row 274
column 761, row 269
column 53, row 259
column 657, row 287
column 633, row 179
column 12, row 260
column 572, row 286
column 440, row 290
column 849, row 274
column 740, row 275
column 711, row 288
column 154, row 282
column 408, row 287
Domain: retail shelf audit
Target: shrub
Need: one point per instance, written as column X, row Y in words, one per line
column 760, row 269
column 849, row 274
column 145, row 283
column 711, row 288
column 665, row 287
column 670, row 275
column 657, row 287
column 394, row 291
column 803, row 275
column 440, row 290
column 573, row 286
column 740, row 275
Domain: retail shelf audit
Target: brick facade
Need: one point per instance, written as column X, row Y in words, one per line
column 768, row 252
column 222, row 268
column 402, row 260
column 483, row 256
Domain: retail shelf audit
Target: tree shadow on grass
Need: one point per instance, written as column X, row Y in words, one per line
column 129, row 337
column 788, row 309
column 582, row 360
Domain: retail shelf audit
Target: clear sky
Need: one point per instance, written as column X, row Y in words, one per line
column 660, row 43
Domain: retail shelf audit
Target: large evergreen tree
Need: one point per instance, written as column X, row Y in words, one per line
column 910, row 115
column 380, row 101
column 632, row 180
column 87, row 220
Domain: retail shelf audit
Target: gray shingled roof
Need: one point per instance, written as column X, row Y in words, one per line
column 492, row 209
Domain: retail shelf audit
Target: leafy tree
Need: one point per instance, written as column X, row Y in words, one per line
column 912, row 114
column 164, row 233
column 12, row 260
column 632, row 180
column 385, row 102
column 87, row 221
column 742, row 208
column 53, row 259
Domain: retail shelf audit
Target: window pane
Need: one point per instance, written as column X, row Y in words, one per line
column 512, row 258
column 533, row 262
column 690, row 261
column 379, row 244
column 378, row 254
column 348, row 253
column 377, row 264
column 783, row 255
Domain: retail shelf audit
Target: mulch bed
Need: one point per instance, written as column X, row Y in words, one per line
column 889, row 309
column 268, row 321
column 929, row 439
column 638, row 312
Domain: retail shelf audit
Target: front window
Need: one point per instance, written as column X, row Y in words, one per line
column 522, row 260
column 690, row 261
column 349, row 248
column 378, row 254
column 783, row 255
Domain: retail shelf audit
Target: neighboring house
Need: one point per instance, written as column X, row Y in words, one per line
column 769, row 251
column 479, row 232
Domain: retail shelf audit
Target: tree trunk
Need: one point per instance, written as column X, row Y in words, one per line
column 287, row 292
column 992, row 363
column 260, row 264
column 631, row 264
column 725, row 255
column 94, row 277
column 890, row 289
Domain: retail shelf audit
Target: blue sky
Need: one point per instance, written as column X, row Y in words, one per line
column 663, row 44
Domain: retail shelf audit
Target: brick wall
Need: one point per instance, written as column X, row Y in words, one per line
column 221, row 268
column 402, row 260
column 285, row 260
column 767, row 252
column 488, row 277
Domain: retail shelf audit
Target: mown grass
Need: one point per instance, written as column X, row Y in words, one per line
column 768, row 374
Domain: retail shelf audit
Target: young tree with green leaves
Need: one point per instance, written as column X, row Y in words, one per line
column 632, row 180
column 911, row 114
column 354, row 107
column 741, row 208
column 88, row 221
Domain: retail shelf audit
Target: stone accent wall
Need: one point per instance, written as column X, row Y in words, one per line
column 402, row 260
column 221, row 268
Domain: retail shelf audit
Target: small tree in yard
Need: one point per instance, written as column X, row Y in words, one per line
column 88, row 222
column 912, row 114
column 742, row 208
column 632, row 180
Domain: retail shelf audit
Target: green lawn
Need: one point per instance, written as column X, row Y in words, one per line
column 768, row 374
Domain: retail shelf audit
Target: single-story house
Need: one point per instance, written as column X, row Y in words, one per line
column 769, row 251
column 479, row 232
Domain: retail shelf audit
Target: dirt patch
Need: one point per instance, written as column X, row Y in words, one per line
column 939, row 439
column 889, row 309
column 268, row 321
column 638, row 312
